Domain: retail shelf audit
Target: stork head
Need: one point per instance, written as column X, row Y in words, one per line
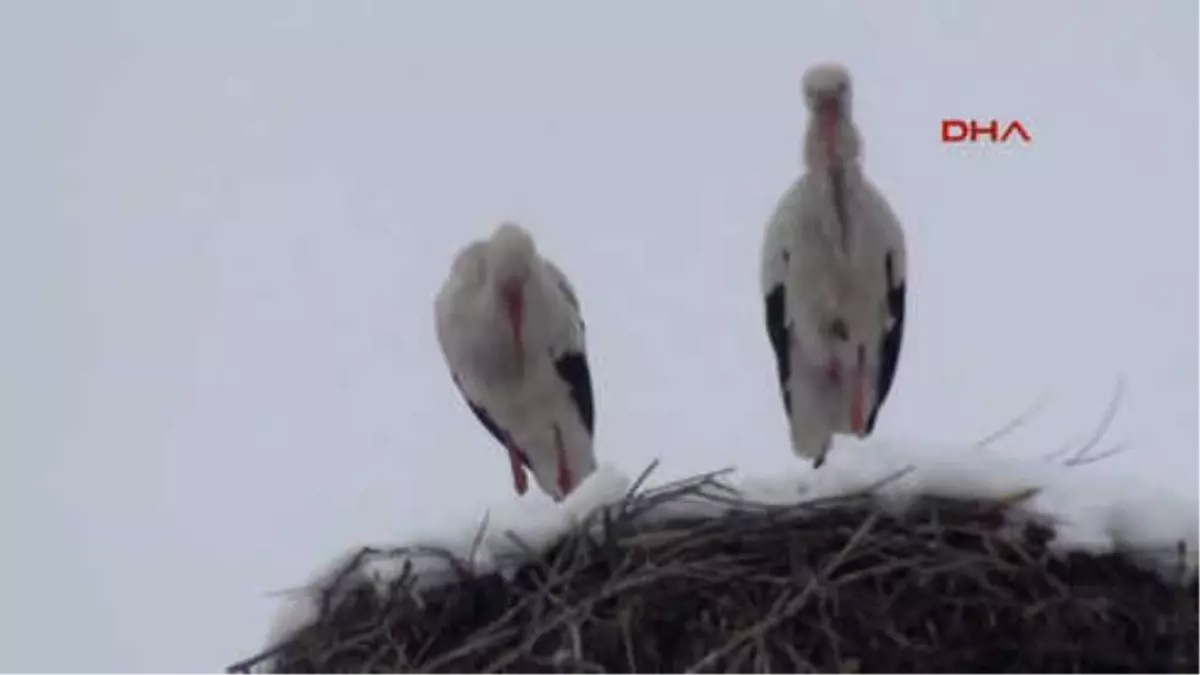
column 512, row 254
column 832, row 137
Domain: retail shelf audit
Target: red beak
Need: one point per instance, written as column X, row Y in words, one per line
column 514, row 303
column 827, row 112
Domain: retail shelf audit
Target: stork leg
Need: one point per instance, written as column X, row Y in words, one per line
column 858, row 403
column 520, row 479
column 565, row 479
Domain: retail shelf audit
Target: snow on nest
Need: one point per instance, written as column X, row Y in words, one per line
column 1089, row 513
column 508, row 534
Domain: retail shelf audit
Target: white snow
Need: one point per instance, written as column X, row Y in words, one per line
column 1089, row 513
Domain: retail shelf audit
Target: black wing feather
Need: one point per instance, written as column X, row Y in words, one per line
column 573, row 368
column 497, row 432
column 892, row 340
column 781, row 336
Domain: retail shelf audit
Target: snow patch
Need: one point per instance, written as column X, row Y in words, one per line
column 1089, row 514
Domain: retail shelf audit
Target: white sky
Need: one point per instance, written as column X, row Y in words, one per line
column 223, row 225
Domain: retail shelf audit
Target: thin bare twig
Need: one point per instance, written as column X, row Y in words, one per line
column 793, row 605
column 1015, row 423
column 1106, row 420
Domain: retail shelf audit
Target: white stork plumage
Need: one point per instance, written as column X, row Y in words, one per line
column 833, row 280
column 510, row 327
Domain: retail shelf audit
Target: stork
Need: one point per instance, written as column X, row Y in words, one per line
column 833, row 277
column 510, row 327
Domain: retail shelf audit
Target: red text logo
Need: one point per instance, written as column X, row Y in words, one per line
column 995, row 131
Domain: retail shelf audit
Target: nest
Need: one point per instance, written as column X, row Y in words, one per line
column 837, row 585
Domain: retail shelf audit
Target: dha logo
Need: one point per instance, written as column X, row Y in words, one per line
column 970, row 131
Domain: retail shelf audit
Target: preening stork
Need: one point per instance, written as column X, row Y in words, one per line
column 510, row 327
column 833, row 279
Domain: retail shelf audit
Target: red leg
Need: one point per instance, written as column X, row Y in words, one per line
column 520, row 480
column 565, row 479
column 858, row 403
column 857, row 406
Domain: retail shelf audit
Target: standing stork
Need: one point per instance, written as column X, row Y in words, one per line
column 833, row 280
column 510, row 327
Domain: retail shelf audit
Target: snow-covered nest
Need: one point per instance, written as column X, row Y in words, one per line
column 898, row 561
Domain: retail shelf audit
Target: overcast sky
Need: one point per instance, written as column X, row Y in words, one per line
column 223, row 225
